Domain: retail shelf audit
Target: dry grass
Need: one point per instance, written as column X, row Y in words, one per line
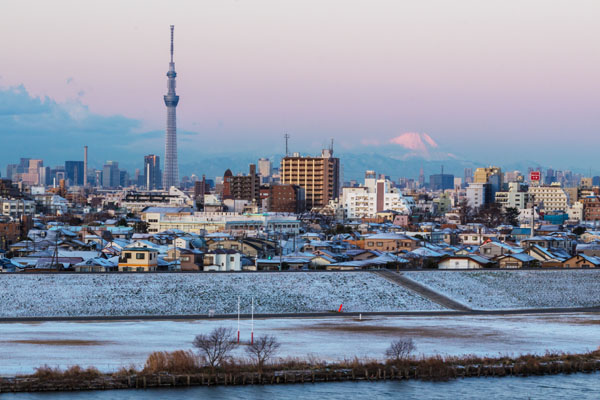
column 176, row 362
column 75, row 372
column 126, row 371
column 435, row 367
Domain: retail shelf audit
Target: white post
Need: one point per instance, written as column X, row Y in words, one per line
column 252, row 332
column 238, row 319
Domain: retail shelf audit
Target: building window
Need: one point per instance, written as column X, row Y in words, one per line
column 379, row 244
column 231, row 259
column 140, row 256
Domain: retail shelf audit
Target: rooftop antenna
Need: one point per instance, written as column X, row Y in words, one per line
column 172, row 29
column 286, row 137
column 331, row 147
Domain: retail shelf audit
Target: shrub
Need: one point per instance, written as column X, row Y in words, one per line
column 46, row 372
column 262, row 349
column 74, row 372
column 216, row 346
column 400, row 349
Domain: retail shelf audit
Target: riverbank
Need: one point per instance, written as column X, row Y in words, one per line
column 291, row 371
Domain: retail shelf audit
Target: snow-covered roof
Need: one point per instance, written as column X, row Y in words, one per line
column 389, row 236
column 425, row 252
column 523, row 257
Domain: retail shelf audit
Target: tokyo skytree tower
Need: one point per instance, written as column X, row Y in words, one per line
column 171, row 174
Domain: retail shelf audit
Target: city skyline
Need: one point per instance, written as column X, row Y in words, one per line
column 365, row 75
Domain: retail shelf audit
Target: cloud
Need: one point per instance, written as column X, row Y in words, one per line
column 41, row 127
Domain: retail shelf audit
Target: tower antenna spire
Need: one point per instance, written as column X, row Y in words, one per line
column 287, row 138
column 172, row 29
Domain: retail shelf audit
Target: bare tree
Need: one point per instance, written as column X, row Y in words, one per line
column 465, row 211
column 216, row 345
column 400, row 349
column 263, row 349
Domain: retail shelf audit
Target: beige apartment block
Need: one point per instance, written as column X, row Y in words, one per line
column 318, row 176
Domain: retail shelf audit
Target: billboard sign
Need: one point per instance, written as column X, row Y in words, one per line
column 534, row 176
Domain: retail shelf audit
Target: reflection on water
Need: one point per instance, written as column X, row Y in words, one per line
column 577, row 386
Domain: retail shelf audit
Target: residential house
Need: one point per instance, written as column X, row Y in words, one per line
column 589, row 249
column 464, row 262
column 581, row 261
column 222, row 260
column 188, row 259
column 545, row 256
column 517, row 260
column 138, row 259
column 390, row 242
column 493, row 249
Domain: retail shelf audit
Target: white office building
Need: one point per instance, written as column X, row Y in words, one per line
column 375, row 196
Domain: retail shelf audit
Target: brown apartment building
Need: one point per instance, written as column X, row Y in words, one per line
column 318, row 176
column 283, row 198
column 591, row 208
column 242, row 187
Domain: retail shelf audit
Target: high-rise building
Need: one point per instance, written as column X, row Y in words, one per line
column 85, row 166
column 75, row 172
column 171, row 176
column 242, row 187
column 516, row 196
column 376, row 195
column 265, row 168
column 11, row 171
column 441, row 181
column 492, row 176
column 319, row 176
column 478, row 194
column 23, row 166
column 468, row 175
column 285, row 198
column 32, row 176
column 550, row 198
column 482, row 175
column 152, row 175
column 111, row 175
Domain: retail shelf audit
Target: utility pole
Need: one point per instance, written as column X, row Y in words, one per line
column 54, row 262
column 280, row 252
column 532, row 216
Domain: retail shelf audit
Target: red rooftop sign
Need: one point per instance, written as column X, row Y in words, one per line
column 534, row 176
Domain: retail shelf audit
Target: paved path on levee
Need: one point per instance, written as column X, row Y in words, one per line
column 424, row 291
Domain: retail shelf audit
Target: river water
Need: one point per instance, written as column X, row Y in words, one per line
column 576, row 386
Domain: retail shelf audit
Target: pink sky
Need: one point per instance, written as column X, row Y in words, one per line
column 462, row 71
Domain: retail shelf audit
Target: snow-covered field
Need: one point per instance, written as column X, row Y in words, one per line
column 111, row 345
column 181, row 294
column 493, row 290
